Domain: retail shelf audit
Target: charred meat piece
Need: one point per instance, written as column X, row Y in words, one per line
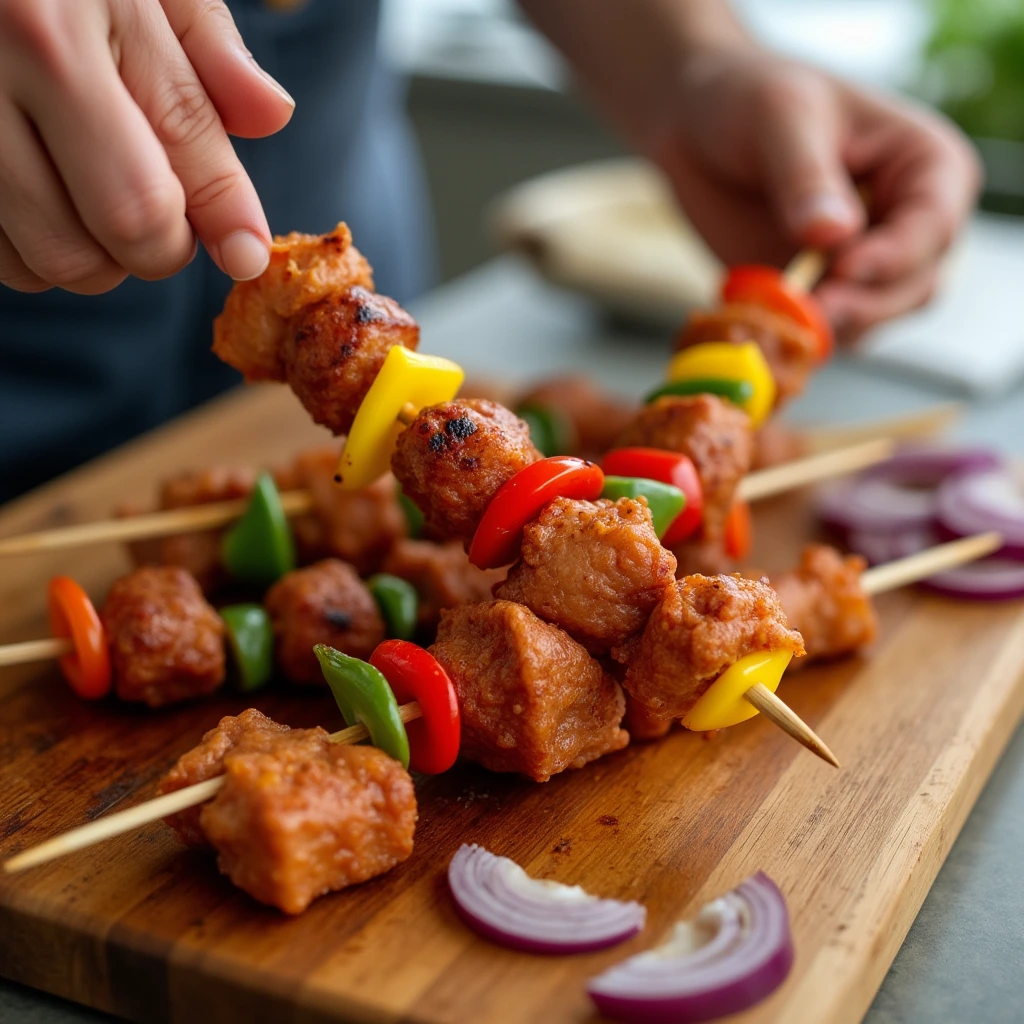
column 791, row 350
column 596, row 569
column 297, row 815
column 454, row 457
column 713, row 433
column 532, row 700
column 703, row 625
column 823, row 598
column 334, row 349
column 359, row 527
column 250, row 333
column 443, row 576
column 325, row 603
column 166, row 642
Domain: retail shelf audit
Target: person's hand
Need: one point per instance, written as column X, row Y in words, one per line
column 114, row 149
column 766, row 156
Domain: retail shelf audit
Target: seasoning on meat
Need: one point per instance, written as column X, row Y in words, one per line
column 325, row 603
column 823, row 598
column 166, row 642
column 251, row 331
column 454, row 457
column 713, row 433
column 200, row 551
column 702, row 625
column 532, row 700
column 334, row 349
column 297, row 815
column 596, row 569
column 359, row 527
column 791, row 350
column 443, row 576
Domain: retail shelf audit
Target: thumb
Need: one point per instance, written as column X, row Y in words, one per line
column 251, row 104
column 806, row 180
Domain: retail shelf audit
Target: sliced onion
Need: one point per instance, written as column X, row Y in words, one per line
column 900, row 493
column 498, row 899
column 878, row 548
column 989, row 500
column 734, row 953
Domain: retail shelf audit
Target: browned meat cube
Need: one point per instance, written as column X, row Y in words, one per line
column 713, row 433
column 454, row 457
column 641, row 724
column 443, row 576
column 596, row 416
column 791, row 350
column 166, row 642
column 775, row 443
column 596, row 569
column 251, row 331
column 297, row 815
column 532, row 700
column 702, row 626
column 325, row 603
column 823, row 598
column 698, row 555
column 359, row 527
column 198, row 551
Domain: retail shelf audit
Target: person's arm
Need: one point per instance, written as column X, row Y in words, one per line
column 765, row 153
column 114, row 149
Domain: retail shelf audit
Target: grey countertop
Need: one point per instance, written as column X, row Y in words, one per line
column 963, row 956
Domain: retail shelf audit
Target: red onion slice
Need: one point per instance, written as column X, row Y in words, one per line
column 990, row 500
column 734, row 953
column 498, row 899
column 990, row 579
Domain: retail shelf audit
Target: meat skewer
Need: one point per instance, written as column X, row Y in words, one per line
column 877, row 580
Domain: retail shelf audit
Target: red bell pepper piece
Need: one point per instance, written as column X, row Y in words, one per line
column 767, row 286
column 415, row 674
column 739, row 531
column 520, row 500
column 670, row 468
column 72, row 614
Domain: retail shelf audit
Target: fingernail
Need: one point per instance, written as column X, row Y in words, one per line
column 822, row 207
column 243, row 255
column 273, row 83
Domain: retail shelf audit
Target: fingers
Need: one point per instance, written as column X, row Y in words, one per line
column 13, row 272
column 250, row 103
column 801, row 150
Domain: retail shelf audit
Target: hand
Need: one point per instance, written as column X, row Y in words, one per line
column 764, row 154
column 114, row 123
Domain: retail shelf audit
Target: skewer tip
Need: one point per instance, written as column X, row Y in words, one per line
column 781, row 714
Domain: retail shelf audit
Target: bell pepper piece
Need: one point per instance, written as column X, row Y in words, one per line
column 739, row 392
column 664, row 500
column 520, row 500
column 260, row 548
column 767, row 286
column 413, row 515
column 73, row 615
column 722, row 704
column 731, row 362
column 398, row 603
column 406, row 378
column 251, row 644
column 739, row 531
column 363, row 695
column 414, row 674
column 671, row 468
column 550, row 430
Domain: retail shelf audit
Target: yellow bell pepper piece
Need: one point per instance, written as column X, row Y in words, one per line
column 722, row 704
column 406, row 378
column 733, row 362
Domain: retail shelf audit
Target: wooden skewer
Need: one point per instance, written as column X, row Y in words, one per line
column 407, row 414
column 35, row 650
column 920, row 566
column 925, row 423
column 806, row 269
column 155, row 809
column 781, row 714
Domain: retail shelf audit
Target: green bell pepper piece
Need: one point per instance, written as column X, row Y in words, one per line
column 550, row 431
column 363, row 695
column 413, row 515
column 736, row 391
column 251, row 643
column 664, row 500
column 398, row 603
column 260, row 548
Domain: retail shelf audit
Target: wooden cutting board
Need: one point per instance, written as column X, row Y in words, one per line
column 144, row 929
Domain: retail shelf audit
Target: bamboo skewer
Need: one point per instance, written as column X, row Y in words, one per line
column 779, row 713
column 893, row 575
column 806, row 269
column 925, row 423
column 35, row 650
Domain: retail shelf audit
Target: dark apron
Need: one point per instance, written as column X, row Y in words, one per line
column 80, row 374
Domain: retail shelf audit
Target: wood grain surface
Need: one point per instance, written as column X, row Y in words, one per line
column 144, row 929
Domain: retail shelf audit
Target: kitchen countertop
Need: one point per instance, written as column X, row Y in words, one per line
column 960, row 960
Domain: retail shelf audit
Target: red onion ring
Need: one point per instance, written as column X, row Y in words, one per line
column 498, row 899
column 734, row 953
column 989, row 500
